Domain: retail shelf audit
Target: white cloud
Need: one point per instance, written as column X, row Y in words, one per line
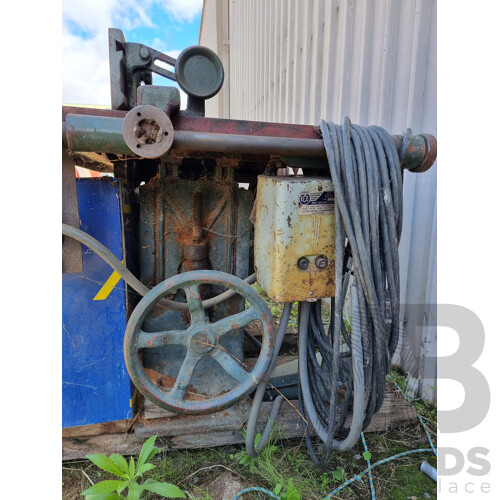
column 173, row 53
column 183, row 10
column 160, row 45
column 85, row 66
column 85, row 69
column 85, row 60
column 95, row 15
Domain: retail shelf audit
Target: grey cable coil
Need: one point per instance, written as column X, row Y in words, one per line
column 368, row 185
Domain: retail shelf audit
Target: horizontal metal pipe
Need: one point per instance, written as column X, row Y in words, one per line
column 247, row 144
column 89, row 133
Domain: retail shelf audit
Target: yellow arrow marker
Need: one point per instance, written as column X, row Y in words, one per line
column 106, row 289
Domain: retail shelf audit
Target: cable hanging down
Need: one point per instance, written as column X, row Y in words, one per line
column 340, row 370
column 351, row 372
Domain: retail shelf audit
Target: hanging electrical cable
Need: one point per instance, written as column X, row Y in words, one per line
column 251, row 447
column 349, row 373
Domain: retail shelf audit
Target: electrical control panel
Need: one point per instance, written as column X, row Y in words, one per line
column 295, row 237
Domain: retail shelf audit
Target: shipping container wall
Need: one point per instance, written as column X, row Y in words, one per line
column 299, row 61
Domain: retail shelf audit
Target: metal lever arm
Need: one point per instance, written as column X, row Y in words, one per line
column 129, row 65
column 139, row 57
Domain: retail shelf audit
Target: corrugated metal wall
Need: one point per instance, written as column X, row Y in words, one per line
column 373, row 60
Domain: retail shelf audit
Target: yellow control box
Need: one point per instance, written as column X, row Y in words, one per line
column 295, row 237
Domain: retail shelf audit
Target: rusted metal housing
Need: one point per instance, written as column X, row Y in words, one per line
column 295, row 221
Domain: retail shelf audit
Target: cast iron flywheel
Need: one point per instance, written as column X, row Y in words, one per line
column 200, row 339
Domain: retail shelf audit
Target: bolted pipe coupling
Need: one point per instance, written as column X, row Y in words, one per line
column 148, row 131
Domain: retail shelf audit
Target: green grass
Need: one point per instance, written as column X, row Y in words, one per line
column 194, row 471
column 277, row 309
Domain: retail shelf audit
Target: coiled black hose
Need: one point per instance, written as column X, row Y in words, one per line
column 368, row 185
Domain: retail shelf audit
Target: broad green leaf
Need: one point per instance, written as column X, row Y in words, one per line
column 338, row 473
column 122, row 486
column 106, row 496
column 146, row 449
column 119, row 461
column 131, row 468
column 277, row 489
column 102, row 487
column 257, row 438
column 143, row 468
column 134, row 491
column 291, row 492
column 166, row 489
column 153, row 452
column 105, row 463
column 367, row 455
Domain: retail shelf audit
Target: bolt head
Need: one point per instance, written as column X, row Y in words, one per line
column 303, row 263
column 321, row 262
column 144, row 53
column 200, row 340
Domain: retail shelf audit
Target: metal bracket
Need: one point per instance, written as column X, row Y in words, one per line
column 131, row 64
column 198, row 71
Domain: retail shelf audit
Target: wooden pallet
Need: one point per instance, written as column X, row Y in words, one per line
column 201, row 431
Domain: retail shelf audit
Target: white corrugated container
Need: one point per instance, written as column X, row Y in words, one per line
column 298, row 61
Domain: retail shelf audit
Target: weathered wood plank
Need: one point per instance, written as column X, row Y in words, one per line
column 77, row 447
column 217, row 429
column 113, row 427
column 175, row 425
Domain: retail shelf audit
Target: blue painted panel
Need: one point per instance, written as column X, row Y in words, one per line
column 96, row 386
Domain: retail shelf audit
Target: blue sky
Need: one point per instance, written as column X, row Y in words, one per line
column 166, row 25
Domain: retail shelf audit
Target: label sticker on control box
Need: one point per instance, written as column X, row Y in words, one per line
column 316, row 202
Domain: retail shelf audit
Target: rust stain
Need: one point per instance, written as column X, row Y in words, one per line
column 168, row 382
column 286, row 235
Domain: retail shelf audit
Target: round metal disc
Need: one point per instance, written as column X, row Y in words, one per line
column 148, row 131
column 199, row 72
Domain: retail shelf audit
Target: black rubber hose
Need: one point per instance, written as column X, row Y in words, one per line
column 368, row 185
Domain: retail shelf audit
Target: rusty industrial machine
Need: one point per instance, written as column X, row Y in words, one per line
column 161, row 251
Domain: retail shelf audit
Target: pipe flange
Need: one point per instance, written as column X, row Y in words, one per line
column 148, row 131
column 429, row 154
